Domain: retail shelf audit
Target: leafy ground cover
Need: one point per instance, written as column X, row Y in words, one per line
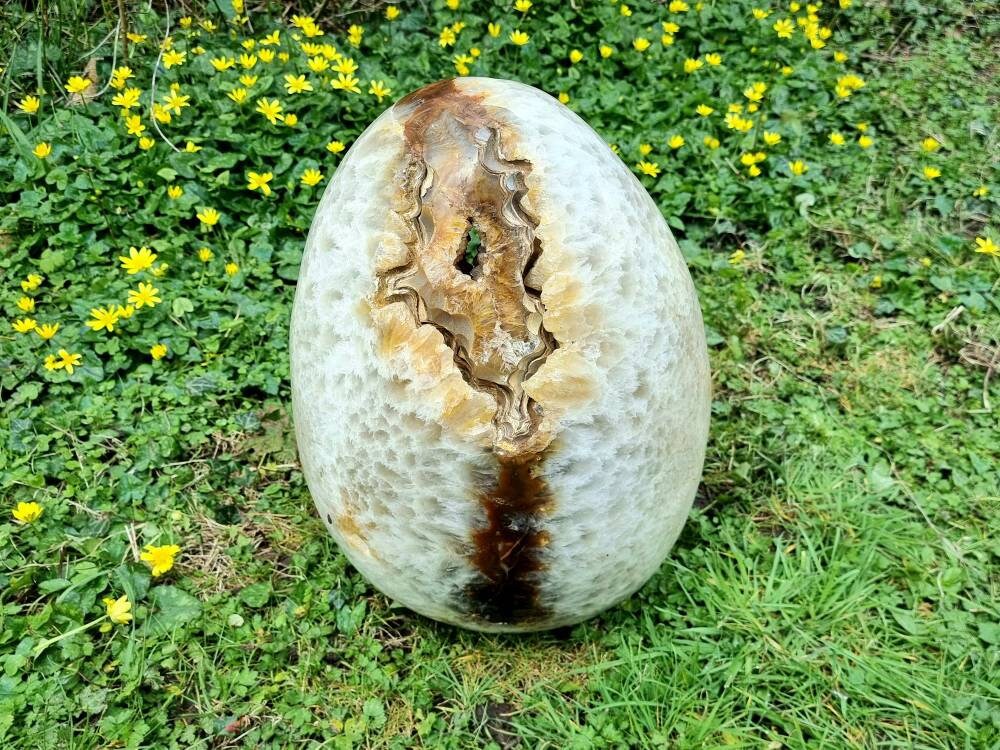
column 831, row 173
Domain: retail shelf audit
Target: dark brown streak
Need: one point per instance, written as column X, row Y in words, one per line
column 509, row 548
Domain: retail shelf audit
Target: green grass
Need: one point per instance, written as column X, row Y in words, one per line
column 836, row 585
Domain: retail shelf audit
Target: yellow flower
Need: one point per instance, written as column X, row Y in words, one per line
column 798, row 167
column 175, row 101
column 133, row 124
column 136, row 38
column 675, row 141
column 26, row 304
column 76, row 84
column 232, row 269
column 379, row 89
column 175, row 191
column 847, row 85
column 354, row 34
column 271, row 109
column 692, row 64
column 273, row 39
column 606, row 51
column 640, row 44
column 760, row 14
column 346, row 83
column 25, row 513
column 266, row 55
column 865, row 141
column 173, row 57
column 787, row 70
column 120, row 76
column 127, row 99
column 291, row 119
column 126, row 312
column 318, row 64
column 47, row 330
column 784, row 27
column 737, row 257
column 753, row 170
column 208, row 216
column 68, row 361
column 311, row 177
column 625, row 10
column 755, row 92
column 678, row 6
column 25, row 325
column 839, row 56
column 158, row 351
column 238, row 95
column 522, row 6
column 248, row 80
column 191, row 148
column 447, row 37
column 103, row 318
column 335, row 147
column 137, row 259
column 931, row 173
column 845, row 4
column 29, row 105
column 118, row 610
column 563, row 97
column 713, row 59
column 930, row 145
column 146, row 143
column 345, row 65
column 981, row 192
column 837, row 139
column 519, row 37
column 297, row 84
column 160, row 559
column 31, row 283
column 161, row 113
column 144, row 296
column 876, row 282
column 391, row 13
column 205, row 255
column 575, row 56
column 650, row 168
column 772, row 139
column 42, row 150
column 987, row 246
column 259, row 180
column 667, row 40
column 493, row 29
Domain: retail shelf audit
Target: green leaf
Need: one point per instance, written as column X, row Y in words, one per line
column 181, row 305
column 172, row 607
column 256, row 595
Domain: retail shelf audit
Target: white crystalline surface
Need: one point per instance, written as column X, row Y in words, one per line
column 514, row 446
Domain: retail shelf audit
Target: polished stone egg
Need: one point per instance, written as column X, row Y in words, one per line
column 499, row 372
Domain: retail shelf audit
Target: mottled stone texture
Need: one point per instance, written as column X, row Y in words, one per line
column 511, row 443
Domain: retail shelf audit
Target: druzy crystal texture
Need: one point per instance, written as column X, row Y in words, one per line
column 499, row 372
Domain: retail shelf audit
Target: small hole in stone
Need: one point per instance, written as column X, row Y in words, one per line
column 471, row 252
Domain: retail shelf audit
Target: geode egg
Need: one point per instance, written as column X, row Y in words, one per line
column 499, row 373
